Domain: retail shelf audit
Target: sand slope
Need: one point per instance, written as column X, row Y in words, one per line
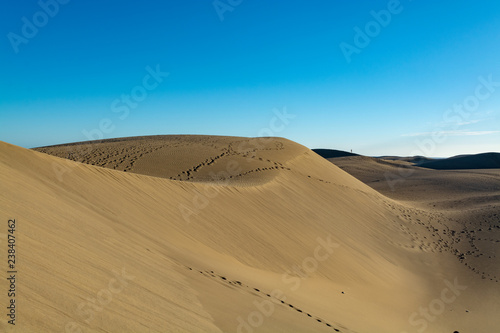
column 282, row 241
column 466, row 202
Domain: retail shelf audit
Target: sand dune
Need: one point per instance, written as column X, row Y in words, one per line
column 218, row 234
column 331, row 153
column 187, row 158
column 416, row 160
column 466, row 201
column 479, row 161
column 430, row 189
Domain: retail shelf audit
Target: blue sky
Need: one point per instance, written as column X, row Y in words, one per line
column 420, row 78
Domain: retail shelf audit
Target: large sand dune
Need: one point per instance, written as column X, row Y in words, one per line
column 217, row 234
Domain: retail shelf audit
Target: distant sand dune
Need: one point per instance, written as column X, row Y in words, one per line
column 479, row 161
column 331, row 153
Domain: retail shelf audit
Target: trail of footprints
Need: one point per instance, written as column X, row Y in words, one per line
column 239, row 284
column 446, row 239
column 229, row 151
column 120, row 158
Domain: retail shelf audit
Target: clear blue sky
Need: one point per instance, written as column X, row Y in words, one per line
column 233, row 64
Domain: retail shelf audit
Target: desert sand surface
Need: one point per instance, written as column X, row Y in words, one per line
column 445, row 190
column 467, row 200
column 227, row 234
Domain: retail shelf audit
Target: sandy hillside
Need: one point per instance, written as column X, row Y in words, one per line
column 466, row 200
column 217, row 234
column 457, row 190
